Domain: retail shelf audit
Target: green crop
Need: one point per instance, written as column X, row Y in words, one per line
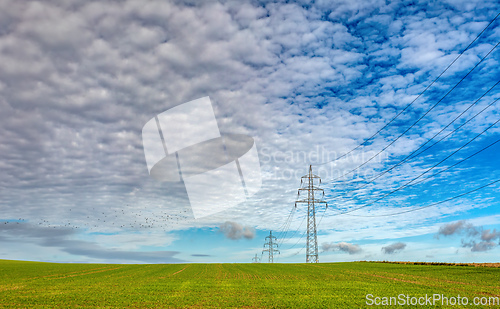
column 335, row 285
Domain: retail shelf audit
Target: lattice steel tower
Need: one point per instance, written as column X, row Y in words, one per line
column 272, row 246
column 255, row 259
column 312, row 238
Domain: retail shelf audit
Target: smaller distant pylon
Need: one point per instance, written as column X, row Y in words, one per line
column 272, row 246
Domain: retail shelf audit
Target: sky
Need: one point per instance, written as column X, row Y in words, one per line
column 308, row 80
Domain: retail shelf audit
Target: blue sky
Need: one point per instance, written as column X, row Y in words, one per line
column 308, row 80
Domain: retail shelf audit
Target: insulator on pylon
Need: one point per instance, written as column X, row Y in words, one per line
column 312, row 241
column 271, row 243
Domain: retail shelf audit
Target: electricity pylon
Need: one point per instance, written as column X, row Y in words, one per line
column 272, row 246
column 312, row 238
column 255, row 259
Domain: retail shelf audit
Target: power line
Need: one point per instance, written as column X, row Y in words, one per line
column 433, row 204
column 287, row 223
column 421, row 117
column 321, row 219
column 429, row 169
column 300, row 250
column 302, row 236
column 444, row 170
column 411, row 103
column 397, row 213
column 286, row 226
column 282, row 238
column 300, row 225
column 416, row 209
column 413, row 155
column 451, row 166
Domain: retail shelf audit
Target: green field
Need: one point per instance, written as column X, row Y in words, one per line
column 336, row 285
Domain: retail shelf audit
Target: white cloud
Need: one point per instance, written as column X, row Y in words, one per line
column 79, row 80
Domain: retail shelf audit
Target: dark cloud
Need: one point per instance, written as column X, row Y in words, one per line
column 94, row 251
column 451, row 228
column 486, row 235
column 233, row 230
column 200, row 255
column 479, row 246
column 61, row 238
column 28, row 230
column 476, row 238
column 456, row 228
column 394, row 248
column 342, row 246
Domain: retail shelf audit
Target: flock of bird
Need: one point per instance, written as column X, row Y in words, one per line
column 129, row 218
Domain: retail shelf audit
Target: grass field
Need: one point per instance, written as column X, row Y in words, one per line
column 337, row 285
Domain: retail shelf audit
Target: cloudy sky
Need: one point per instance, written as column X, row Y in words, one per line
column 308, row 80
